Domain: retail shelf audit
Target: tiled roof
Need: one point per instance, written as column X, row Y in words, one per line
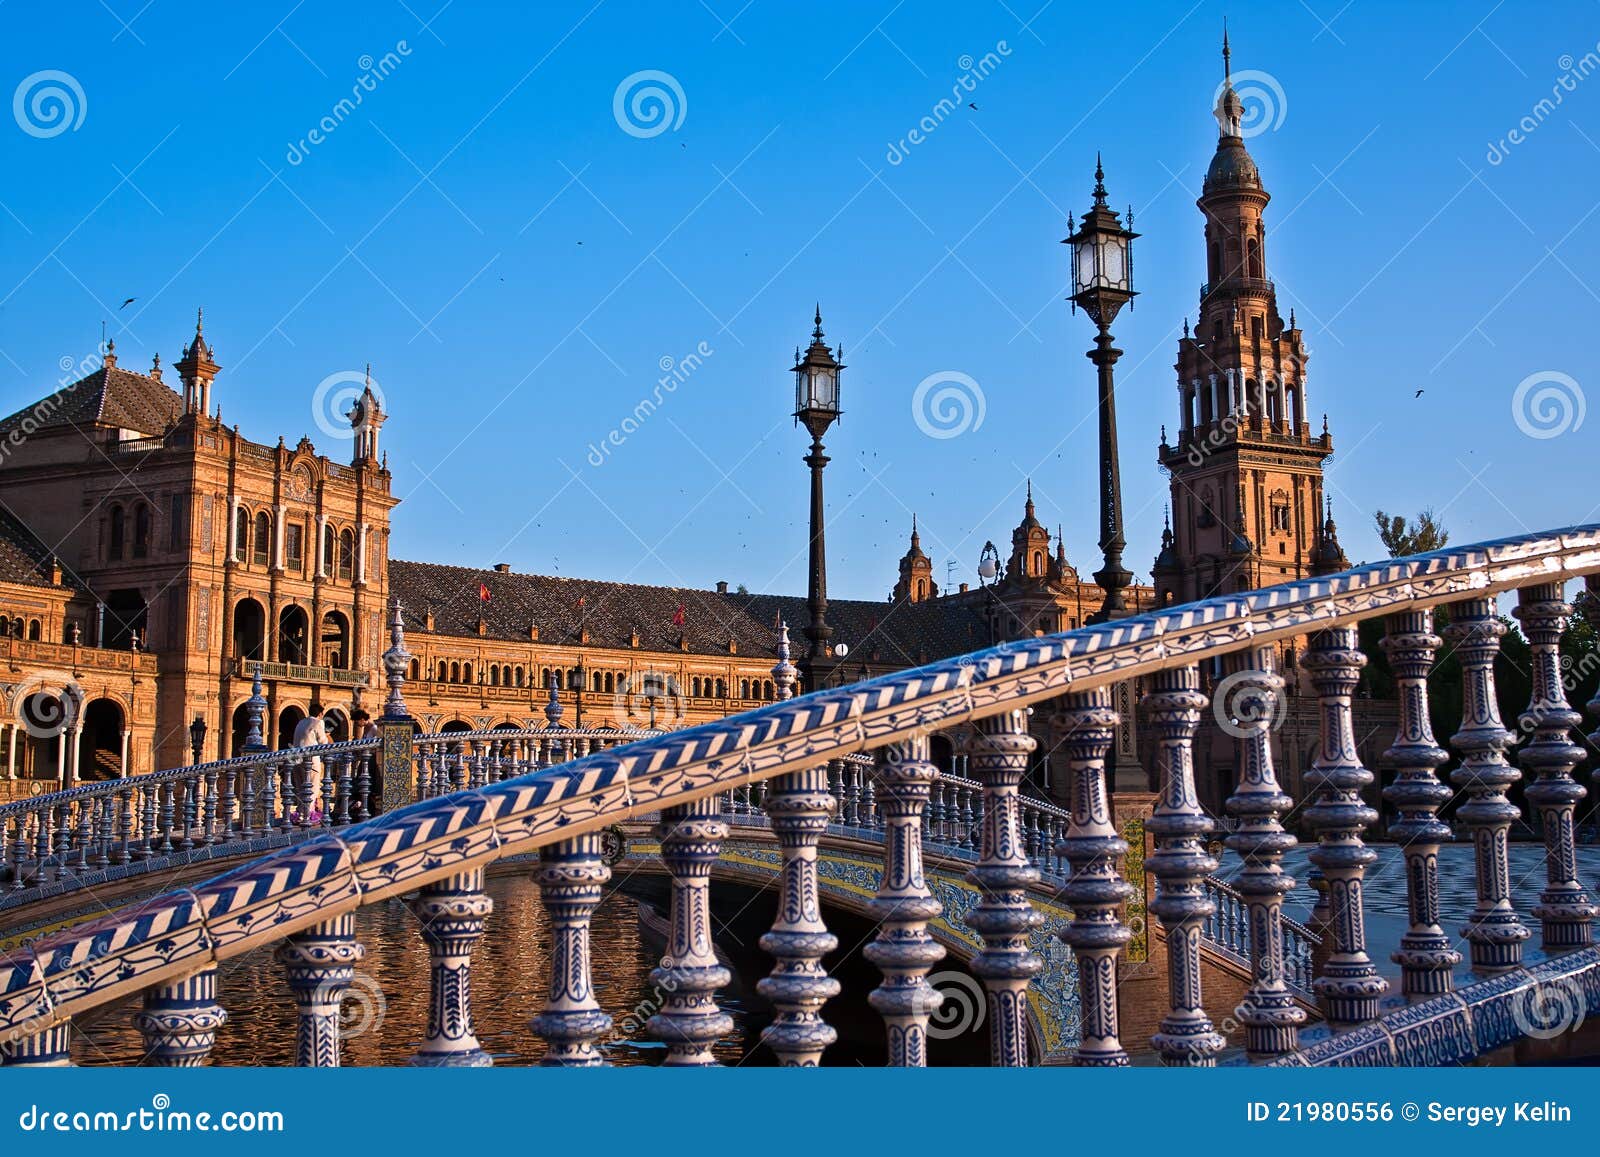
column 23, row 558
column 110, row 396
column 888, row 634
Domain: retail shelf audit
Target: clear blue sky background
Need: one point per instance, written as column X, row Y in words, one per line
column 515, row 266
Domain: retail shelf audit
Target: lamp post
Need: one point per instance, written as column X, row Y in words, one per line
column 197, row 737
column 1102, row 283
column 988, row 576
column 816, row 404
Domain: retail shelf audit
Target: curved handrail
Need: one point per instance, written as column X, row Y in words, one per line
column 294, row 888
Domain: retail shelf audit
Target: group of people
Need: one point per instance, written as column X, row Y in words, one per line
column 315, row 730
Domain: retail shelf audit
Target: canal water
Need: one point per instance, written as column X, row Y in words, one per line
column 386, row 1009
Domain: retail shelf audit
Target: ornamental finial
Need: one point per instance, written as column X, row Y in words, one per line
column 1227, row 56
column 395, row 662
column 1099, row 181
column 784, row 672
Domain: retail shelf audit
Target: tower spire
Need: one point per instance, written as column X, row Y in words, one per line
column 1227, row 56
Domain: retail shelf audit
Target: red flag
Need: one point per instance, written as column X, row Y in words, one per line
column 483, row 592
column 680, row 616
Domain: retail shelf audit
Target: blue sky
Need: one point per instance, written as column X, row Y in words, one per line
column 516, row 264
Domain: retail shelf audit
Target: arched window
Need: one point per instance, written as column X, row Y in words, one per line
column 1215, row 270
column 444, row 672
column 519, row 676
column 599, row 682
column 118, row 534
column 1254, row 252
column 241, row 534
column 611, row 681
column 1038, row 562
column 494, row 675
column 5, row 627
column 263, row 543
column 329, row 549
column 771, row 692
column 466, row 672
column 455, row 672
column 141, row 531
column 694, row 686
column 35, row 629
column 416, row 670
column 722, row 689
column 347, row 553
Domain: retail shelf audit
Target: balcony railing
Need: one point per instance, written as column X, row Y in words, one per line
column 301, row 673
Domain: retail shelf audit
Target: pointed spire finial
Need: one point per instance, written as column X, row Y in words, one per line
column 1292, row 324
column 1186, row 326
column 199, row 320
column 1227, row 56
column 817, row 332
column 1099, row 180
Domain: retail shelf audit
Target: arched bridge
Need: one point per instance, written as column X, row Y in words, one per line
column 782, row 758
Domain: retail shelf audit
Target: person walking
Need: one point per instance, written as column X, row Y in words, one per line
column 312, row 731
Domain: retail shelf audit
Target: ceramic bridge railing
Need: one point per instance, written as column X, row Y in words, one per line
column 302, row 899
column 52, row 844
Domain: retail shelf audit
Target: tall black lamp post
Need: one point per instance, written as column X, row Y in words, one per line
column 988, row 578
column 816, row 405
column 1102, row 283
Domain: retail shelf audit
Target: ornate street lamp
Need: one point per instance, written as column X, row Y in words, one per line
column 197, row 737
column 816, row 404
column 1102, row 283
column 988, row 577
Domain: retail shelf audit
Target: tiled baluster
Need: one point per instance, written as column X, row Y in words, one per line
column 363, row 786
column 1180, row 865
column 269, row 797
column 451, row 914
column 180, row 1019
column 106, row 821
column 208, row 818
column 340, row 812
column 798, row 806
column 869, row 805
column 165, row 816
column 572, row 877
column 1349, row 987
column 852, row 788
column 1565, row 911
column 1268, row 1011
column 85, row 832
column 1003, row 916
column 310, row 783
column 690, row 1021
column 50, row 1048
column 320, row 963
column 935, row 824
column 247, row 804
column 971, row 815
column 227, row 782
column 1425, row 955
column 189, row 785
column 148, row 837
column 1494, row 931
column 904, row 950
column 1095, row 889
column 125, row 813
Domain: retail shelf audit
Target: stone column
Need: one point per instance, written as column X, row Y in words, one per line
column 798, row 805
column 1494, row 931
column 1426, row 955
column 180, row 1019
column 1095, row 890
column 1349, row 985
column 1180, row 865
column 1004, row 917
column 1565, row 911
column 1249, row 710
column 451, row 914
column 904, row 950
column 572, row 877
column 320, row 963
column 126, row 770
column 690, row 1021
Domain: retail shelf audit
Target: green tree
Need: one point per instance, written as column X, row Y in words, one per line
column 1402, row 537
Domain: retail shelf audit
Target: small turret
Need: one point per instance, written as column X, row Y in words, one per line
column 197, row 368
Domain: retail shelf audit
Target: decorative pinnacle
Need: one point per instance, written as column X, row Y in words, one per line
column 817, row 333
column 199, row 320
column 1099, row 181
column 1227, row 56
column 784, row 672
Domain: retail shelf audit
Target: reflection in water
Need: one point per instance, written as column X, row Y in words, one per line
column 386, row 1009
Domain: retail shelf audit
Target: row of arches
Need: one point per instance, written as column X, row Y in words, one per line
column 98, row 751
column 459, row 672
column 254, row 543
column 18, row 628
column 330, row 648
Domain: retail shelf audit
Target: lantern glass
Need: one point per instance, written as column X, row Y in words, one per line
column 816, row 390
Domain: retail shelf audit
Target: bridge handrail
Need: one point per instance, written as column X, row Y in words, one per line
column 287, row 891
